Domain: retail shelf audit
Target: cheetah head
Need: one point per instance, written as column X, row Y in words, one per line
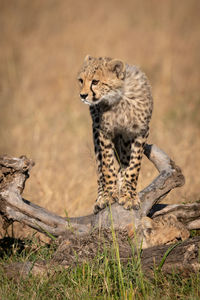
column 101, row 80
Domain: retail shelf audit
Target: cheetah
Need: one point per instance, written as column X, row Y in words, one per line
column 120, row 102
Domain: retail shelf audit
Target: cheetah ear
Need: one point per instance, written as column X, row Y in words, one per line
column 87, row 58
column 118, row 67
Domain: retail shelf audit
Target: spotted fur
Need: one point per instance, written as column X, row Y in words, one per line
column 120, row 101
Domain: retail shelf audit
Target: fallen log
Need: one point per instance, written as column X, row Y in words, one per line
column 13, row 207
column 182, row 258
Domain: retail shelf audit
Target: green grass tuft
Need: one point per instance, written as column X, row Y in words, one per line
column 104, row 277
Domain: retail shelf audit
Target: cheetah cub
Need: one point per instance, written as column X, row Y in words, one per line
column 120, row 102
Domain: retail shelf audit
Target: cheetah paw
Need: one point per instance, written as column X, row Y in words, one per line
column 102, row 202
column 130, row 200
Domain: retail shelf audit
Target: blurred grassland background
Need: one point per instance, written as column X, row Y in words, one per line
column 43, row 44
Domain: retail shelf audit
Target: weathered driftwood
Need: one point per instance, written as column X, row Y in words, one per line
column 189, row 214
column 15, row 171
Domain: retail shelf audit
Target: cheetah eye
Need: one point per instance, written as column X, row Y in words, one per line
column 95, row 82
column 80, row 80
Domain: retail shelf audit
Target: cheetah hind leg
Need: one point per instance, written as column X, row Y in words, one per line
column 128, row 195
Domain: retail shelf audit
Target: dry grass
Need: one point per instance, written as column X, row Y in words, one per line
column 42, row 46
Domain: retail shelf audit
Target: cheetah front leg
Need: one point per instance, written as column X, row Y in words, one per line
column 107, row 177
column 128, row 195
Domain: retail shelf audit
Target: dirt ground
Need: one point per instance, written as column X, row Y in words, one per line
column 42, row 46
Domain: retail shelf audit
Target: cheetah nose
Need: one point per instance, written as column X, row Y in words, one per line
column 83, row 96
